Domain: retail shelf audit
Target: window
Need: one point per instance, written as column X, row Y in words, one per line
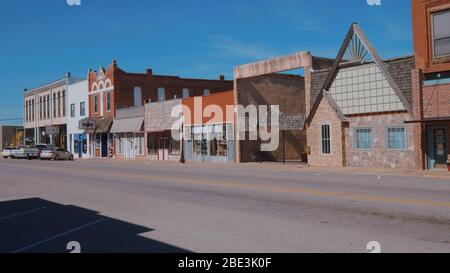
column 63, row 103
column 95, row 103
column 441, row 33
column 206, row 92
column 161, row 94
column 151, row 144
column 137, row 96
column 48, row 106
column 185, row 93
column 40, row 108
column 82, row 109
column 326, row 139
column 44, row 108
column 396, row 138
column 72, row 110
column 363, row 138
column 174, row 146
column 59, row 104
column 54, row 105
column 108, row 101
column 32, row 109
column 139, row 143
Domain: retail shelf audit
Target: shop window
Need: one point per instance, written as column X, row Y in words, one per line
column 396, row 138
column 218, row 143
column 174, row 146
column 326, row 139
column 363, row 138
column 441, row 33
column 139, row 143
column 200, row 143
column 152, row 144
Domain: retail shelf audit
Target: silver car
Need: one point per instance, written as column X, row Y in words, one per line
column 19, row 152
column 6, row 153
column 56, row 154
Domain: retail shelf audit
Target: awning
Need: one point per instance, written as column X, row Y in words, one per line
column 128, row 125
column 103, row 125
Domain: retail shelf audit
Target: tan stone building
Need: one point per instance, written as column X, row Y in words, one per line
column 359, row 109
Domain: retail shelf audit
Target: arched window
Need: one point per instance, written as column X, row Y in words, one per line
column 161, row 94
column 137, row 96
column 185, row 93
column 206, row 92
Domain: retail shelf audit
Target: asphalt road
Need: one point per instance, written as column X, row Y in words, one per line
column 117, row 206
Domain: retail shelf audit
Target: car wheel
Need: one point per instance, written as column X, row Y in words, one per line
column 71, row 158
column 5, row 157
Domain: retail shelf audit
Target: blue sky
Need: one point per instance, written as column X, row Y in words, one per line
column 42, row 40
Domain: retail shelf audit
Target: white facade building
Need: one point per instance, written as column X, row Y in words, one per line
column 78, row 110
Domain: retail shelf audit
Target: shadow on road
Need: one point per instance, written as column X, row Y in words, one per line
column 40, row 226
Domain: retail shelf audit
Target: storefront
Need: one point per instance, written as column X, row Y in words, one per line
column 210, row 143
column 162, row 146
column 97, row 129
column 128, row 134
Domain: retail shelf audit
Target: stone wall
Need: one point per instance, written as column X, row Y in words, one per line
column 379, row 156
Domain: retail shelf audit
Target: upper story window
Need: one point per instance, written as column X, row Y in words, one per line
column 48, row 106
column 59, row 104
column 206, row 92
column 185, row 93
column 95, row 103
column 441, row 33
column 63, row 99
column 54, row 104
column 326, row 139
column 161, row 94
column 82, row 109
column 72, row 110
column 137, row 96
column 108, row 101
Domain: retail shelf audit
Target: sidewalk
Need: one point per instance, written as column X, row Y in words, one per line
column 296, row 166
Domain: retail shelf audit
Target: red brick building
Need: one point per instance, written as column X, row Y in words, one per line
column 112, row 89
column 431, row 82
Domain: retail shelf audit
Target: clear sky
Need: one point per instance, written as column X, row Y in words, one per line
column 42, row 40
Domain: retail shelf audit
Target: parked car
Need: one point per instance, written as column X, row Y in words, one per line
column 34, row 152
column 19, row 152
column 6, row 153
column 56, row 154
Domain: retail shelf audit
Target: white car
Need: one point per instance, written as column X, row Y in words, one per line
column 6, row 153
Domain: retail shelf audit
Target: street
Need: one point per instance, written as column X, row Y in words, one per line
column 125, row 206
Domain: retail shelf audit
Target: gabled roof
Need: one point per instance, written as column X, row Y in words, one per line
column 360, row 46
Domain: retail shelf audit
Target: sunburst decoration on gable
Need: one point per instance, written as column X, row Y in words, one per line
column 356, row 52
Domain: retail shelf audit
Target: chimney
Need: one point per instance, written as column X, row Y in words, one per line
column 114, row 63
column 149, row 72
column 221, row 78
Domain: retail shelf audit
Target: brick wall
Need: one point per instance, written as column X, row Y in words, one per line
column 287, row 91
column 436, row 101
column 325, row 114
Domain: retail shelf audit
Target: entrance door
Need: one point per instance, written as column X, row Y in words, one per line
column 437, row 147
column 104, row 140
column 163, row 147
column 440, row 147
